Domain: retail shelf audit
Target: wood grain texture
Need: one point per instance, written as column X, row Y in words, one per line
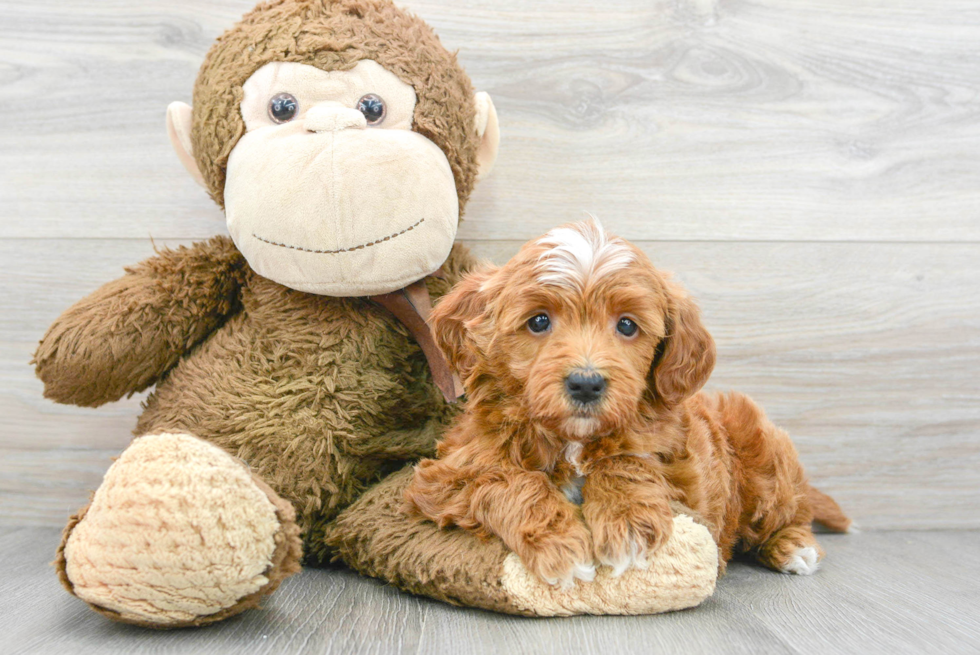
column 893, row 593
column 866, row 353
column 809, row 168
column 683, row 119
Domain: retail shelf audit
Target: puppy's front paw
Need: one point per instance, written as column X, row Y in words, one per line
column 560, row 557
column 624, row 539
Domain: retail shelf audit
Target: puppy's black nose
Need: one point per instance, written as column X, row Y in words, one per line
column 585, row 387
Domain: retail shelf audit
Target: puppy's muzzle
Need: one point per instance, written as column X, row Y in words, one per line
column 585, row 387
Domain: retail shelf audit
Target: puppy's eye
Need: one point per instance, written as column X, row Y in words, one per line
column 373, row 108
column 283, row 108
column 627, row 327
column 538, row 324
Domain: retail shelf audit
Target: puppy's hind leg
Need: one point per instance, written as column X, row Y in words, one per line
column 792, row 549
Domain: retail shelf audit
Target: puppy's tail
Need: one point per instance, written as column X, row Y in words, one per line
column 827, row 512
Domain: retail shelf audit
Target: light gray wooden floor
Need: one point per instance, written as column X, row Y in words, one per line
column 879, row 592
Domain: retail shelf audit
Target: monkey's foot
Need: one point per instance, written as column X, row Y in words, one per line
column 378, row 538
column 179, row 533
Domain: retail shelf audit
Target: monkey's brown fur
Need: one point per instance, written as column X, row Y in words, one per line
column 321, row 396
column 334, row 35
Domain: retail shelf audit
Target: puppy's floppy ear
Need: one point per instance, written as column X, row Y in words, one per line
column 453, row 318
column 686, row 356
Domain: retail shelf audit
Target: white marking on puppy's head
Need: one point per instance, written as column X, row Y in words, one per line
column 579, row 252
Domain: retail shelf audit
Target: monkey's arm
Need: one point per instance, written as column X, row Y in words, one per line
column 125, row 335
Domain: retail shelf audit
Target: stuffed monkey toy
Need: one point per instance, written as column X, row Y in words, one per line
column 295, row 379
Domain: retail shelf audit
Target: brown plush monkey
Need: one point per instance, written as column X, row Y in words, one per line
column 343, row 141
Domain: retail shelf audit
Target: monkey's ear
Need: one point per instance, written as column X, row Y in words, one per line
column 686, row 356
column 489, row 132
column 179, row 131
column 454, row 317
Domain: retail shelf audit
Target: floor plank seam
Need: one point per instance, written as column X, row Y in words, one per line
column 425, row 619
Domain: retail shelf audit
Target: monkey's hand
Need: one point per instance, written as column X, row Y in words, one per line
column 125, row 335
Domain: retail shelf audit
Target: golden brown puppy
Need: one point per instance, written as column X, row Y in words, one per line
column 583, row 422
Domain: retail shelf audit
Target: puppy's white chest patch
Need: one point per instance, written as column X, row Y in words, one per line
column 573, row 490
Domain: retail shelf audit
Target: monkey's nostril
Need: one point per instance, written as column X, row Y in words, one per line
column 585, row 387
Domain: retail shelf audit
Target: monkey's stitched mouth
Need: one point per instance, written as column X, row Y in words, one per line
column 341, row 250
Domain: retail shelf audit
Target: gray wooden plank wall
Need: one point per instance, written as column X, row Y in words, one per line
column 810, row 169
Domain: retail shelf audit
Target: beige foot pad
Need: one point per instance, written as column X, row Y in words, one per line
column 375, row 537
column 179, row 533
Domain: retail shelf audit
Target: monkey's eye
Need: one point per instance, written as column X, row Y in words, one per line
column 627, row 327
column 283, row 107
column 539, row 324
column 373, row 108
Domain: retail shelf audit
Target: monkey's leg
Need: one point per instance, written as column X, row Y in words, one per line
column 376, row 537
column 179, row 533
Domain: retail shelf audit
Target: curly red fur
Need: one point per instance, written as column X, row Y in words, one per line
column 653, row 438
